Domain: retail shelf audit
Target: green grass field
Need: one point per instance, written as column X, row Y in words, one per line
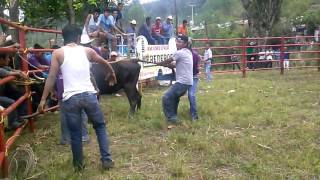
column 265, row 126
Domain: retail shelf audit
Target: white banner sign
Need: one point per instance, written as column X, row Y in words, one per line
column 153, row 54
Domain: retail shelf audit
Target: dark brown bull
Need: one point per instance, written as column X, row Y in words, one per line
column 127, row 73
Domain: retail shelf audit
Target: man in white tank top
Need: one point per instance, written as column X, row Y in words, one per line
column 79, row 94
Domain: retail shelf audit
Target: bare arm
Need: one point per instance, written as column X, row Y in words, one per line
column 55, row 64
column 94, row 57
column 87, row 23
column 166, row 63
column 118, row 30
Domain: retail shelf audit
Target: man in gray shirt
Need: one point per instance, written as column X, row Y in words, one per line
column 182, row 61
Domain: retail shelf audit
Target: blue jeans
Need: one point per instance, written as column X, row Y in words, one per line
column 159, row 38
column 192, row 98
column 65, row 133
column 170, row 100
column 208, row 71
column 72, row 108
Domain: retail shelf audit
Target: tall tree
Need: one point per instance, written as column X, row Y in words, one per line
column 14, row 16
column 262, row 15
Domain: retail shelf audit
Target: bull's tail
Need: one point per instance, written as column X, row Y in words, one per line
column 139, row 101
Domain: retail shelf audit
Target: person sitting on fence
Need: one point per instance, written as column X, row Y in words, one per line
column 157, row 31
column 5, row 101
column 106, row 22
column 167, row 29
column 145, row 30
column 91, row 26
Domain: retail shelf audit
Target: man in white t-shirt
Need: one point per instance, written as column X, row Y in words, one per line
column 207, row 62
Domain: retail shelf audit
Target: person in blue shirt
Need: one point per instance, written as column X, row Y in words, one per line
column 145, row 30
column 105, row 22
column 167, row 29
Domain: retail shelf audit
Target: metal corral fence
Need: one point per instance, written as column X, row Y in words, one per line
column 6, row 143
column 240, row 55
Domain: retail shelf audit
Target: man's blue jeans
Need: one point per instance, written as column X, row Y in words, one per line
column 192, row 98
column 65, row 133
column 208, row 71
column 170, row 100
column 72, row 108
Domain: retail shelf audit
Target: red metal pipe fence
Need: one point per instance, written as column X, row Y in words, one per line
column 6, row 144
column 227, row 48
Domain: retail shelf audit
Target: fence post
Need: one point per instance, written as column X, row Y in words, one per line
column 3, row 153
column 24, row 65
column 282, row 56
column 244, row 57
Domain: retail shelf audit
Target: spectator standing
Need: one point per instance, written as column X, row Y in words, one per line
column 167, row 30
column 207, row 62
column 157, row 31
column 145, row 30
column 79, row 94
column 119, row 16
column 182, row 61
column 269, row 54
column 235, row 59
column 286, row 58
column 193, row 89
column 183, row 29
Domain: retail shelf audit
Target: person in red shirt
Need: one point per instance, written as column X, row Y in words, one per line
column 157, row 31
column 183, row 29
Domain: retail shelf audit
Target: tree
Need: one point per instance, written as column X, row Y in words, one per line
column 262, row 15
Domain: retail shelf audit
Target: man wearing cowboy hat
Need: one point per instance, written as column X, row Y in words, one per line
column 167, row 29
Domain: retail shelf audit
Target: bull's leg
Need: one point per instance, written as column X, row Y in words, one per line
column 130, row 92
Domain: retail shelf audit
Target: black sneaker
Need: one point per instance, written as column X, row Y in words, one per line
column 106, row 165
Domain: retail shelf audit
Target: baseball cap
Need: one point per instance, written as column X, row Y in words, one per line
column 169, row 17
column 183, row 38
column 158, row 18
column 133, row 22
column 113, row 53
